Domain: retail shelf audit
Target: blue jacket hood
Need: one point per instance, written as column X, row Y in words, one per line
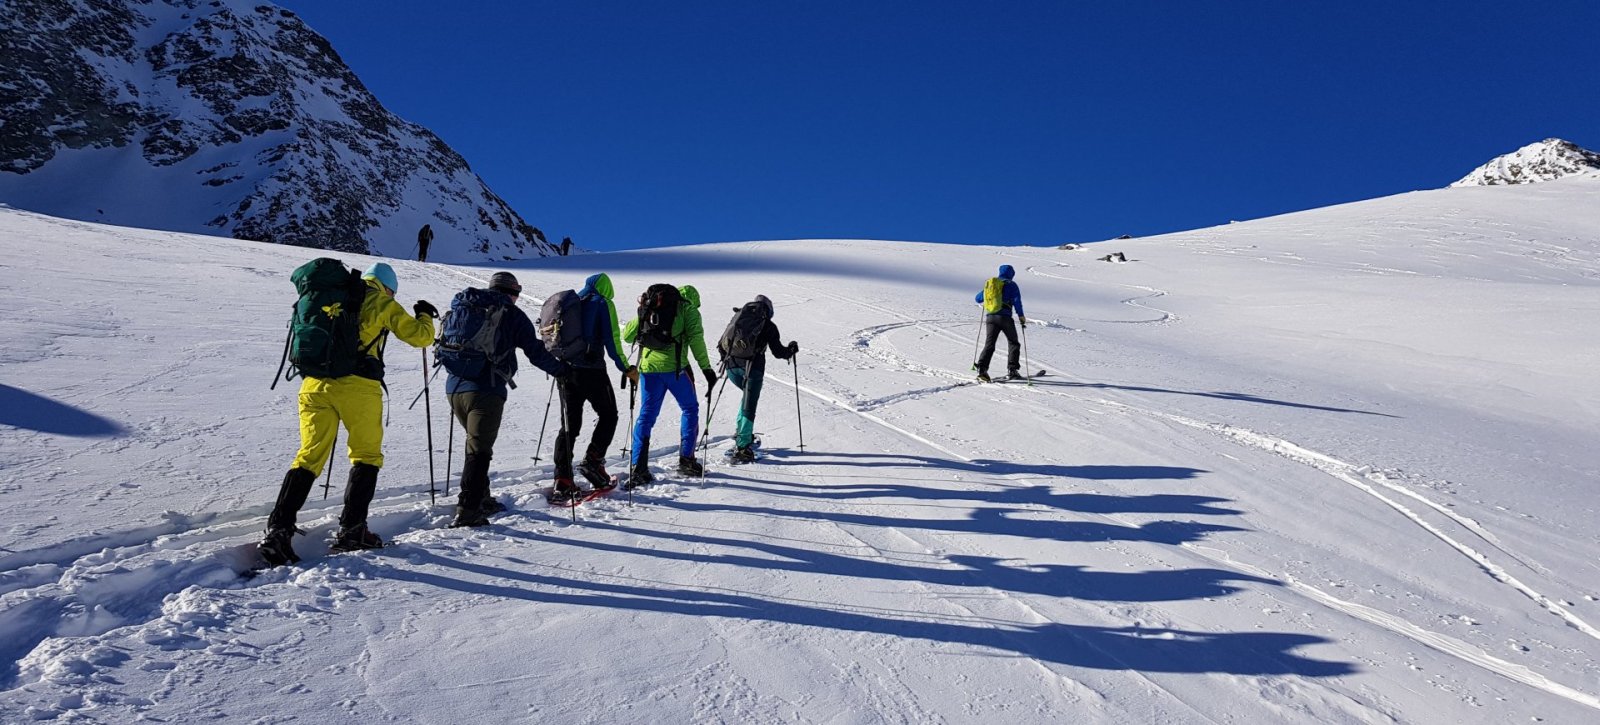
column 1006, row 272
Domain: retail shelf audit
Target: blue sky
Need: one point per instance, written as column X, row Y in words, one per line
column 635, row 124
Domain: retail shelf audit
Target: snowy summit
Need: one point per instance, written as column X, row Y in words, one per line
column 1547, row 160
column 227, row 117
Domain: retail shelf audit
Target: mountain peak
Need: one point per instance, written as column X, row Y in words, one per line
column 1552, row 158
column 229, row 118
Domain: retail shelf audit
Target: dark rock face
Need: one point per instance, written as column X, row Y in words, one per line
column 226, row 117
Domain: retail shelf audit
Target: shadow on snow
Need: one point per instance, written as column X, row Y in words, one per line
column 1105, row 648
column 1219, row 395
column 1091, row 503
column 1054, row 580
column 25, row 410
column 988, row 466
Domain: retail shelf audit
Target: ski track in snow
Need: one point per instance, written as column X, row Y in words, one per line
column 1342, row 471
column 1166, row 317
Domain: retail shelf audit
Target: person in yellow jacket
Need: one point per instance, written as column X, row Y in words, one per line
column 357, row 402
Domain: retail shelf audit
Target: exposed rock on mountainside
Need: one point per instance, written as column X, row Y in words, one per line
column 1549, row 159
column 226, row 117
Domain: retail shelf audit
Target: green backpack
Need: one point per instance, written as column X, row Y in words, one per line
column 325, row 332
column 994, row 296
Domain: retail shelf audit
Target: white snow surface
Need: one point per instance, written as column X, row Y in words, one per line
column 1334, row 466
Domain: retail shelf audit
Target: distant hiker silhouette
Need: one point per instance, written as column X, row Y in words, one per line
column 424, row 238
column 566, row 246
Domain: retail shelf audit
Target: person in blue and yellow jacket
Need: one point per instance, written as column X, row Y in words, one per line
column 664, row 371
column 999, row 297
column 356, row 401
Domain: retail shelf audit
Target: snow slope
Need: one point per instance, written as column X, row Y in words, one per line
column 1334, row 466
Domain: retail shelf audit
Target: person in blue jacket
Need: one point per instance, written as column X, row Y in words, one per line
column 479, row 401
column 590, row 384
column 999, row 297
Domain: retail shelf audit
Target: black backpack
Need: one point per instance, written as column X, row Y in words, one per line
column 658, row 313
column 741, row 340
column 561, row 327
column 325, row 332
column 466, row 345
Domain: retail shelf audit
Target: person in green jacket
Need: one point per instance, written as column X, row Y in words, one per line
column 664, row 368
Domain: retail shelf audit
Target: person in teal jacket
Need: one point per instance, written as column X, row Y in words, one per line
column 664, row 371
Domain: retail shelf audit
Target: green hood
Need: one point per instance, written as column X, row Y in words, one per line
column 690, row 295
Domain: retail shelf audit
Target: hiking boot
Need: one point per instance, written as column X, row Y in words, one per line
column 492, row 506
column 356, row 538
column 593, row 470
column 469, row 517
column 639, row 475
column 277, row 548
column 1013, row 375
column 983, row 377
column 745, row 454
column 688, row 466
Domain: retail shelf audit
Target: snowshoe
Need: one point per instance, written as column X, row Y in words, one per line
column 564, row 493
column 355, row 538
column 594, row 471
column 743, row 455
column 277, row 548
column 688, row 466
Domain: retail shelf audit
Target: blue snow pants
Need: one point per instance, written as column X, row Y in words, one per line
column 653, row 389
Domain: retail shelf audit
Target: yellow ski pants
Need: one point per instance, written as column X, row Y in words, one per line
column 324, row 403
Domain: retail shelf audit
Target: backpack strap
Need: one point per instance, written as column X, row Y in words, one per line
column 286, row 340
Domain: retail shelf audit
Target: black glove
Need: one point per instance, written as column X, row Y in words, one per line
column 424, row 307
column 794, row 348
column 711, row 377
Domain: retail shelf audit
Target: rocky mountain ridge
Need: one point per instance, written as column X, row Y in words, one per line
column 226, row 117
column 1547, row 160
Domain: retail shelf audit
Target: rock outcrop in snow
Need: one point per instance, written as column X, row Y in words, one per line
column 227, row 117
column 1549, row 159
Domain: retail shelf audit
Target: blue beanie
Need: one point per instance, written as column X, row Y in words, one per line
column 381, row 272
column 1006, row 272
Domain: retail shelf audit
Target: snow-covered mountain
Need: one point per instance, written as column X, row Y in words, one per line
column 226, row 117
column 1336, row 466
column 1546, row 160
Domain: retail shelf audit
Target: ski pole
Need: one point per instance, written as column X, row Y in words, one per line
column 633, row 397
column 794, row 362
column 561, row 439
column 540, row 446
column 450, row 452
column 978, row 342
column 427, row 408
column 711, row 410
column 1027, row 368
column 327, row 483
column 424, row 389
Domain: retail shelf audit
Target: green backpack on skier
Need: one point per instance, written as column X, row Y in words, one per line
column 325, row 331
